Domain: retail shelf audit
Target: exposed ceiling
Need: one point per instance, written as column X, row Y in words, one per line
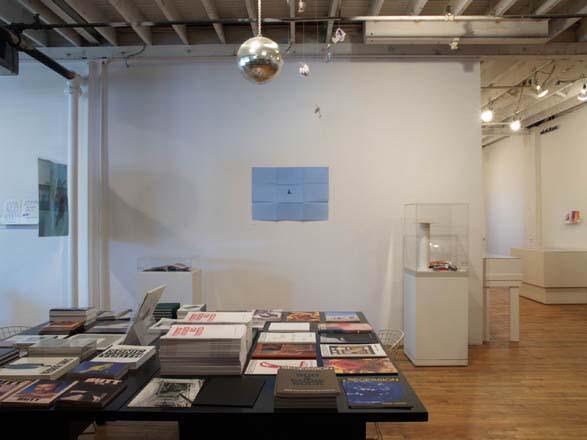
column 511, row 66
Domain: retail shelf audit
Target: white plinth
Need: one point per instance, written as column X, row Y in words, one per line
column 182, row 287
column 436, row 318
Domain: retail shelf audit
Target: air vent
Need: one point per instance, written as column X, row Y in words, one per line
column 549, row 129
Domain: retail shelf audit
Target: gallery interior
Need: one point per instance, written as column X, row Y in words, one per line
column 282, row 219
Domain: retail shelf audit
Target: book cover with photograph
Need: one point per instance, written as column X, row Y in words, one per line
column 345, row 327
column 348, row 338
column 177, row 393
column 270, row 366
column 287, row 338
column 92, row 392
column 284, row 351
column 289, row 327
column 267, row 315
column 341, row 317
column 8, row 387
column 303, row 316
column 106, row 370
column 40, row 393
column 50, row 368
column 352, row 350
column 375, row 392
column 361, row 366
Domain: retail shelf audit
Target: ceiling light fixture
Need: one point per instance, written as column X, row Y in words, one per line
column 582, row 96
column 540, row 91
column 487, row 115
column 516, row 124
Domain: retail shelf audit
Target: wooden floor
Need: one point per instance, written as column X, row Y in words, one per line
column 534, row 389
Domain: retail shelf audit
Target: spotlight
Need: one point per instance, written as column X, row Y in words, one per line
column 515, row 125
column 540, row 91
column 583, row 93
column 487, row 115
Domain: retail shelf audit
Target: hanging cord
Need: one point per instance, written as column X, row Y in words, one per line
column 259, row 19
column 135, row 54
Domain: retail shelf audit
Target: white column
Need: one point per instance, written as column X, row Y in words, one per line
column 514, row 314
column 73, row 92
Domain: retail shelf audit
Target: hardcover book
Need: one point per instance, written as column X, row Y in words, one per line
column 267, row 315
column 270, row 366
column 8, row 354
column 49, row 368
column 352, row 350
column 178, row 393
column 230, row 391
column 348, row 338
column 304, row 316
column 341, row 317
column 285, row 351
column 93, row 392
column 105, row 370
column 22, row 342
column 219, row 317
column 361, row 366
column 287, row 338
column 103, row 341
column 375, row 392
column 111, row 327
column 41, row 393
column 345, row 327
column 289, row 327
column 8, row 387
column 309, row 382
column 63, row 327
column 133, row 355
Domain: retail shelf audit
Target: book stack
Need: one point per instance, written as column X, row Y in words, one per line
column 8, row 355
column 200, row 350
column 93, row 392
column 132, row 355
column 81, row 348
column 49, row 368
column 103, row 341
column 166, row 310
column 109, row 315
column 63, row 328
column 40, row 393
column 223, row 318
column 306, row 388
column 187, row 308
column 74, row 314
column 23, row 342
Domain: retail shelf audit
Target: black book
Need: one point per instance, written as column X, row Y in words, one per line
column 230, row 391
column 93, row 392
column 348, row 338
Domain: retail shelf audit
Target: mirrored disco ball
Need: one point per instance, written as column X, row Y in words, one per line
column 259, row 59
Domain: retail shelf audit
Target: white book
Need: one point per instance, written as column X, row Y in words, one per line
column 270, row 366
column 24, row 341
column 289, row 327
column 206, row 332
column 163, row 325
column 38, row 367
column 103, row 341
column 133, row 355
column 291, row 337
column 352, row 350
column 219, row 317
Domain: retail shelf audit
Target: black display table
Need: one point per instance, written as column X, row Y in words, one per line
column 260, row 422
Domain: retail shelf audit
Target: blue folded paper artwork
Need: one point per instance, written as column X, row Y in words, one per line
column 290, row 193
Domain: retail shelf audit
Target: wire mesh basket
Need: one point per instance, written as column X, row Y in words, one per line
column 391, row 339
column 6, row 332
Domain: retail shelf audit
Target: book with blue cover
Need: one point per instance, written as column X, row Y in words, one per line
column 375, row 392
column 105, row 370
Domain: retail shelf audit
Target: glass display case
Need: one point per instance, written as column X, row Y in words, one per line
column 181, row 277
column 436, row 237
column 166, row 264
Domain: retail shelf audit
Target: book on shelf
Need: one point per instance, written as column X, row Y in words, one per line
column 63, row 327
column 270, row 366
column 260, row 317
column 352, row 350
column 375, row 392
column 8, row 354
column 132, row 355
column 187, row 308
column 82, row 348
column 307, row 388
column 103, row 341
column 345, row 327
column 284, row 351
column 341, row 317
column 348, row 338
column 8, row 387
column 162, row 393
column 361, row 366
column 289, row 327
column 303, row 316
column 40, row 393
column 287, row 338
column 204, row 350
column 23, row 342
column 105, row 370
column 50, row 368
column 93, row 392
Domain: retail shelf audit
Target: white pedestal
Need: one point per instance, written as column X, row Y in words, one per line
column 182, row 287
column 436, row 318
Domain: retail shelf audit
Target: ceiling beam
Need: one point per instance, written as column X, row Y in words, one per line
column 582, row 31
column 415, row 7
column 458, row 7
column 131, row 13
column 12, row 13
column 68, row 19
column 252, row 15
column 48, row 16
column 88, row 11
column 210, row 8
column 170, row 11
column 375, row 7
column 502, row 6
column 496, row 69
column 292, row 25
column 559, row 25
column 547, row 6
column 334, row 5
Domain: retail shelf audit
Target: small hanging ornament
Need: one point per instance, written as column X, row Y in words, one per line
column 301, row 6
column 339, row 36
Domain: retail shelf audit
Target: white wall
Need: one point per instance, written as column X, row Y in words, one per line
column 33, row 117
column 182, row 140
column 505, row 194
